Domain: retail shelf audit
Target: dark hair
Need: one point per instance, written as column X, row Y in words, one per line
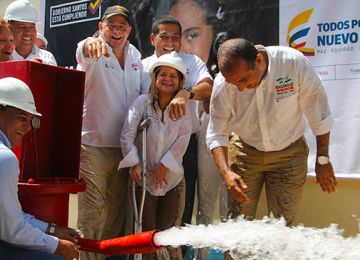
column 234, row 49
column 166, row 19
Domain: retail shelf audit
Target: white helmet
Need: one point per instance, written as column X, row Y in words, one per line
column 171, row 60
column 22, row 11
column 15, row 93
column 42, row 37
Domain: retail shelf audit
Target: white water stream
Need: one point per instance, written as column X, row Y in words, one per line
column 265, row 239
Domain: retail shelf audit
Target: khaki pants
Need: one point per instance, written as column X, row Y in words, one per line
column 163, row 212
column 102, row 207
column 282, row 172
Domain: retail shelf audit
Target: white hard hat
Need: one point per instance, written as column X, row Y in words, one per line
column 15, row 93
column 42, row 37
column 22, row 11
column 171, row 60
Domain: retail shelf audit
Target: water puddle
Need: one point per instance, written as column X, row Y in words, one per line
column 265, row 239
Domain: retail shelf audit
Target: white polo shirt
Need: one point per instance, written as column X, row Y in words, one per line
column 271, row 116
column 196, row 71
column 46, row 56
column 109, row 92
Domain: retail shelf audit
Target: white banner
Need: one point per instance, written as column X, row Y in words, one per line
column 328, row 33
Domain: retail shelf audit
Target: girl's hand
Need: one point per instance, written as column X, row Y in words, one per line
column 158, row 176
column 135, row 173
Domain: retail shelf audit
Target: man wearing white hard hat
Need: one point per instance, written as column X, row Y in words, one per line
column 22, row 15
column 22, row 236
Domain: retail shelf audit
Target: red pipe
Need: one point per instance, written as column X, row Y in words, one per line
column 140, row 243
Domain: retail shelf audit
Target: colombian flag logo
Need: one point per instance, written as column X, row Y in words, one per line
column 295, row 37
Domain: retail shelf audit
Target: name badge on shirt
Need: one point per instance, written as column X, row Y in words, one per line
column 108, row 65
column 284, row 87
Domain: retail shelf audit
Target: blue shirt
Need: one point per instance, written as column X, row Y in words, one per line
column 16, row 227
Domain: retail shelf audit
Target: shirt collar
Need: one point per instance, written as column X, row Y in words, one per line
column 4, row 139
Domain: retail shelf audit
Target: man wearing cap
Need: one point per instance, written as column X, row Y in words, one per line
column 112, row 83
column 7, row 45
column 22, row 15
column 22, row 236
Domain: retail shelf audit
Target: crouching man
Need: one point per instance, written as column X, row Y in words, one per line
column 22, row 236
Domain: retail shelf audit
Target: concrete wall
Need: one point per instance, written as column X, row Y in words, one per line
column 319, row 209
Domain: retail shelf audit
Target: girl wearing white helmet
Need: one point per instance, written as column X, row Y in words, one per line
column 166, row 144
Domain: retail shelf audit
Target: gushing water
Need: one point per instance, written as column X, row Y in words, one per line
column 265, row 239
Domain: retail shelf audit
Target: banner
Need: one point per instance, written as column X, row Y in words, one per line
column 68, row 22
column 328, row 33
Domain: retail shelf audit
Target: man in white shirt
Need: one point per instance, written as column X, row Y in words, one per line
column 264, row 95
column 22, row 15
column 22, row 236
column 166, row 37
column 113, row 68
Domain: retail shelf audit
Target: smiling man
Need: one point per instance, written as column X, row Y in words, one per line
column 112, row 83
column 22, row 15
column 264, row 94
column 22, row 236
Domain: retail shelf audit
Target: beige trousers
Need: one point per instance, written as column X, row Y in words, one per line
column 102, row 207
column 282, row 172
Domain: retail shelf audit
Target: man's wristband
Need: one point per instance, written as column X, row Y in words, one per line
column 192, row 93
column 52, row 228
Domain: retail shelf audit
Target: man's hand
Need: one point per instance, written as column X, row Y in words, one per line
column 95, row 47
column 235, row 185
column 37, row 60
column 178, row 104
column 325, row 177
column 324, row 173
column 67, row 234
column 67, row 250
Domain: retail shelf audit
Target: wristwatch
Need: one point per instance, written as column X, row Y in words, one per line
column 192, row 93
column 323, row 160
column 52, row 228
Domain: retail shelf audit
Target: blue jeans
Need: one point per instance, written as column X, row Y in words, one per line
column 8, row 251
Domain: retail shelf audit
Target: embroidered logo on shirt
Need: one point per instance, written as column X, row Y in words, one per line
column 108, row 65
column 135, row 66
column 284, row 87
